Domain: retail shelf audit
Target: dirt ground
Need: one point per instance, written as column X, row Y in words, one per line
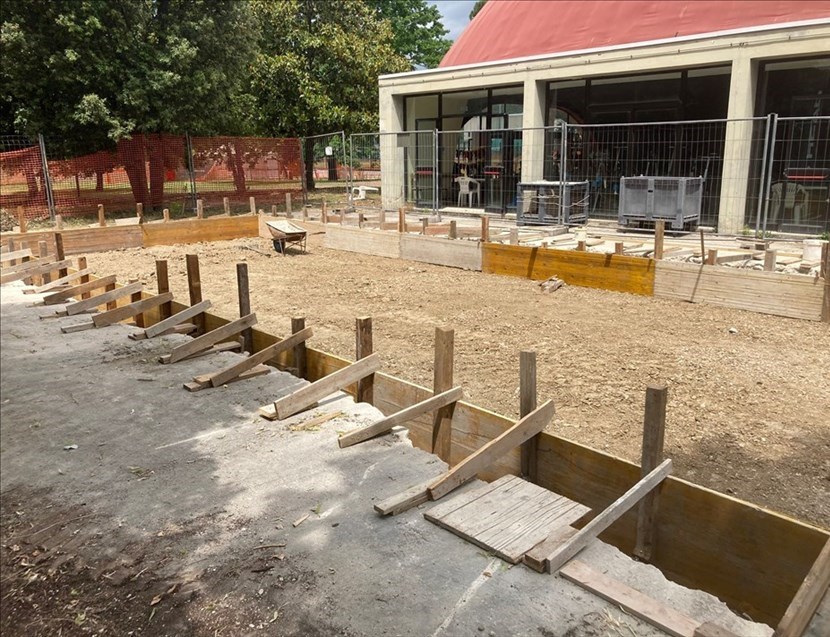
column 749, row 398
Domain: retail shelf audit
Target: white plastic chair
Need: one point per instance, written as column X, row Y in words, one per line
column 468, row 188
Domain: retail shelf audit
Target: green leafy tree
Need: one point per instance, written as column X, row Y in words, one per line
column 478, row 6
column 317, row 68
column 417, row 29
column 95, row 72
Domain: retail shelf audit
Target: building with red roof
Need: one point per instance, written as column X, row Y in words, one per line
column 588, row 92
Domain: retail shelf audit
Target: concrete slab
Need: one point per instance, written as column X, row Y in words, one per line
column 193, row 491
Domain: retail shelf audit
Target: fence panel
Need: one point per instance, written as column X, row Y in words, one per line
column 22, row 180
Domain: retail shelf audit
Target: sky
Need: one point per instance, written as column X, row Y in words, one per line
column 456, row 15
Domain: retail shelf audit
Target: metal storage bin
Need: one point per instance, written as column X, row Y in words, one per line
column 552, row 202
column 675, row 199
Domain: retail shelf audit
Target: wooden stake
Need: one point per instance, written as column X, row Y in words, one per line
column 274, row 210
column 712, row 257
column 299, row 351
column 453, row 229
column 194, row 287
column 244, row 305
column 43, row 251
column 21, row 220
column 305, row 213
column 288, row 210
column 58, row 222
column 654, row 427
column 485, row 229
column 163, row 283
column 139, row 212
column 252, row 203
column 402, row 222
column 527, row 404
column 135, row 298
column 702, row 245
column 166, row 214
column 619, row 248
column 769, row 260
column 659, row 235
column 102, row 221
column 84, row 279
column 360, row 219
column 59, row 253
column 382, row 217
column 442, row 381
column 324, row 213
column 226, row 206
column 200, row 209
column 424, row 225
column 363, row 348
column 514, row 236
column 580, row 245
column 10, row 244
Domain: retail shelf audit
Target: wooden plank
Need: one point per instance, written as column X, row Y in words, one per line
column 446, row 252
column 17, row 254
column 60, row 253
column 607, row 517
column 229, row 373
column 363, row 348
column 373, row 242
column 820, row 624
column 184, row 328
column 537, row 557
column 709, row 629
column 253, row 372
column 654, row 427
column 228, row 346
column 586, row 269
column 806, row 601
column 310, row 394
column 101, row 299
column 76, row 291
column 205, row 341
column 527, row 403
column 529, row 426
column 72, row 276
column 401, row 417
column 194, row 288
column 26, row 265
column 199, row 230
column 163, row 285
column 659, row 235
column 244, row 304
column 180, row 317
column 126, row 311
column 51, row 266
column 77, row 327
column 442, row 381
column 630, row 600
column 398, row 503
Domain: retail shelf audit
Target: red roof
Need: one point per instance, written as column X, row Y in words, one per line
column 506, row 29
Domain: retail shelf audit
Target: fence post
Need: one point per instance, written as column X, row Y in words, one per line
column 303, row 183
column 435, row 173
column 563, row 172
column 191, row 169
column 773, row 134
column 47, row 178
column 349, row 173
column 762, row 195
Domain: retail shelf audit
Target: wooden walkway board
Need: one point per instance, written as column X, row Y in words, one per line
column 507, row 517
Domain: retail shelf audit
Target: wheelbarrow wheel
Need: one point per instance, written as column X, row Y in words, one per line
column 279, row 245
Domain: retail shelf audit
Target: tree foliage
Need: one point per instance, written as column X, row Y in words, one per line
column 478, row 6
column 418, row 33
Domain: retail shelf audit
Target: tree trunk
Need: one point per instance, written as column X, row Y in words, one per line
column 308, row 162
column 237, row 166
column 131, row 154
column 156, row 148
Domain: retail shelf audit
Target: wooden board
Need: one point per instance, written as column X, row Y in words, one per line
column 36, row 270
column 132, row 309
column 806, row 601
column 199, row 230
column 63, row 281
column 585, row 269
column 507, row 517
column 206, row 341
column 447, row 252
column 85, row 240
column 788, row 295
column 102, row 299
column 374, row 242
column 188, row 312
column 76, row 291
column 17, row 254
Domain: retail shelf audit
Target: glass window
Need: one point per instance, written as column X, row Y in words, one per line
column 795, row 88
column 420, row 107
column 465, row 103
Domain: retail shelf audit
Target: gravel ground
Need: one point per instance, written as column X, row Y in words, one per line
column 749, row 401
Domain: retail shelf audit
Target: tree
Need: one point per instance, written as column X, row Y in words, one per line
column 478, row 6
column 317, row 67
column 96, row 72
column 417, row 28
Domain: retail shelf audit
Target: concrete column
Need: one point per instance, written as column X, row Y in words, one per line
column 391, row 153
column 738, row 146
column 533, row 141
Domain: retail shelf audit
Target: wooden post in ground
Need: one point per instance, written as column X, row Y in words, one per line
column 166, row 214
column 619, row 248
column 273, row 210
column 769, row 260
column 324, row 213
column 514, row 236
column 702, row 245
column 401, row 220
column 10, row 245
column 299, row 353
column 200, row 209
column 111, row 305
column 363, row 348
column 342, row 215
column 527, row 404
column 453, row 229
column 288, row 210
column 244, row 305
column 194, row 287
column 135, row 298
column 305, row 213
column 85, row 278
column 21, row 220
column 382, row 217
column 801, row 613
column 58, row 222
column 424, row 225
column 163, row 283
column 361, row 219
column 659, row 235
column 711, row 257
column 580, row 245
column 139, row 212
column 825, row 270
column 252, row 204
column 24, row 245
column 59, row 253
column 654, row 427
column 102, row 220
column 485, row 229
column 442, row 381
column 226, row 206
column 43, row 251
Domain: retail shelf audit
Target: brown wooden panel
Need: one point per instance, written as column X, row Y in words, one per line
column 585, row 269
column 198, row 230
column 85, row 240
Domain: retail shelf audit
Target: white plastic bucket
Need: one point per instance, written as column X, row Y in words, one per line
column 812, row 249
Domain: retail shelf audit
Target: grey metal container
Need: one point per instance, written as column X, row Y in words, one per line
column 552, row 202
column 675, row 199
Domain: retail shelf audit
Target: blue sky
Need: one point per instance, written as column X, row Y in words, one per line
column 456, row 14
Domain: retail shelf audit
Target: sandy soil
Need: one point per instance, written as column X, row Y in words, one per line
column 749, row 410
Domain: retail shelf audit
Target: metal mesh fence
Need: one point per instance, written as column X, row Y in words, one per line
column 23, row 182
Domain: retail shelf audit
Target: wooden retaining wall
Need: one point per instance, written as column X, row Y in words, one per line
column 448, row 252
column 775, row 293
column 618, row 273
column 82, row 240
column 373, row 242
column 752, row 558
column 199, row 230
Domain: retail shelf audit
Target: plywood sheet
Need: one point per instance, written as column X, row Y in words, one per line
column 375, row 242
column 84, row 240
column 448, row 252
column 198, row 230
column 507, row 517
column 787, row 295
column 586, row 269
